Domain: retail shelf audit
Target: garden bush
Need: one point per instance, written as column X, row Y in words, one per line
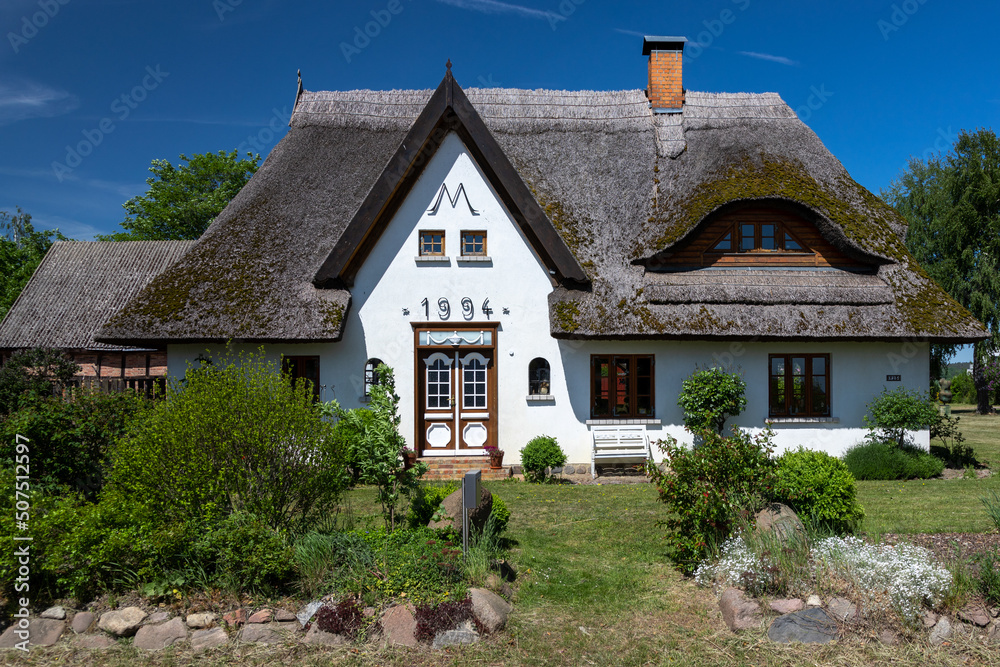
column 875, row 460
column 709, row 489
column 963, row 389
column 29, row 375
column 710, row 396
column 236, row 436
column 541, row 453
column 818, row 486
column 70, row 441
column 952, row 450
column 425, row 501
column 242, row 553
column 892, row 414
column 345, row 618
column 434, row 618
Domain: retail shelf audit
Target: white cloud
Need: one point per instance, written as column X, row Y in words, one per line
column 494, row 7
column 21, row 99
column 767, row 56
column 630, row 32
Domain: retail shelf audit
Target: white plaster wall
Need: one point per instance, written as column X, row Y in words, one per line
column 391, row 281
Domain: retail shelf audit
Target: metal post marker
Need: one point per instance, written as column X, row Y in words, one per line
column 470, row 501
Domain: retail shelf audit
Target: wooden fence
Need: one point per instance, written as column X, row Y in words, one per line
column 148, row 387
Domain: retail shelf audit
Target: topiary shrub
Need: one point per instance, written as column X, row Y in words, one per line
column 818, row 486
column 892, row 414
column 875, row 460
column 538, row 455
column 710, row 396
column 710, row 488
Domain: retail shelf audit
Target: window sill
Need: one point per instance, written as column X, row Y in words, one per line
column 802, row 420
column 540, row 398
column 623, row 422
column 474, row 259
column 432, row 259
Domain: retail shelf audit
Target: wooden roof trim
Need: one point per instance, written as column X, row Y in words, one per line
column 448, row 110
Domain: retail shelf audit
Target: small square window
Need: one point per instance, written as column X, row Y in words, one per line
column 431, row 243
column 473, row 244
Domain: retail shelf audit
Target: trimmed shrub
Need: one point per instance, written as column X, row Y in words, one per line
column 710, row 396
column 874, row 460
column 818, row 486
column 710, row 488
column 894, row 413
column 541, row 452
column 236, row 436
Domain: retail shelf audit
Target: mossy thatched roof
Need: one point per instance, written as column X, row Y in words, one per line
column 619, row 183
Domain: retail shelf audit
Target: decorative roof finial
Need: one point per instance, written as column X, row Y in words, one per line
column 448, row 64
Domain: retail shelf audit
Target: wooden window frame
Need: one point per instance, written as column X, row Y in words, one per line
column 773, row 410
column 536, row 383
column 294, row 366
column 736, row 240
column 461, row 240
column 632, row 389
column 422, row 247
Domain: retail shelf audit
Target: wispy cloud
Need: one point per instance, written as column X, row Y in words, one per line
column 125, row 190
column 21, row 99
column 494, row 7
column 767, row 56
column 630, row 32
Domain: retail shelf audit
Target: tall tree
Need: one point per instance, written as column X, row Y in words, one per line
column 952, row 203
column 182, row 201
column 21, row 250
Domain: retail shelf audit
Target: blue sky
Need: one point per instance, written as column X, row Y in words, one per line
column 128, row 81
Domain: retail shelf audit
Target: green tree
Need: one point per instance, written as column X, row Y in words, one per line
column 952, row 205
column 21, row 251
column 710, row 396
column 182, row 201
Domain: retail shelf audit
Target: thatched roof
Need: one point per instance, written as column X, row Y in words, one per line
column 621, row 184
column 78, row 286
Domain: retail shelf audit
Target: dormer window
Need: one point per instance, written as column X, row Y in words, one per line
column 756, row 237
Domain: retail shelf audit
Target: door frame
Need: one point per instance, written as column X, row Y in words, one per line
column 493, row 382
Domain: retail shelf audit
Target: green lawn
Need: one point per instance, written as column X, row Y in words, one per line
column 938, row 506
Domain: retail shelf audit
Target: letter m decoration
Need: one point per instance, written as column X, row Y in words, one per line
column 443, row 192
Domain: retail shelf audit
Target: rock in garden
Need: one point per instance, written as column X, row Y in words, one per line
column 57, row 613
column 452, row 506
column 399, row 626
column 780, row 520
column 236, row 618
column 929, row 619
column 268, row 633
column 975, row 614
column 814, row 601
column 787, row 606
column 158, row 637
column 262, row 616
column 41, row 632
column 455, row 637
column 82, row 622
column 809, row 626
column 308, row 611
column 490, row 609
column 842, row 609
column 889, row 638
column 158, row 617
column 738, row 612
column 122, row 622
column 993, row 637
column 284, row 616
column 202, row 640
column 322, row 637
column 200, row 621
column 941, row 632
column 95, row 641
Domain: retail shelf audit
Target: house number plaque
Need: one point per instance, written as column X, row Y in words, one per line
column 444, row 308
column 893, row 378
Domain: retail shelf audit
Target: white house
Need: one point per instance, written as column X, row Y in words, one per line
column 542, row 262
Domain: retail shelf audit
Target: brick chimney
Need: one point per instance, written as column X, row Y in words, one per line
column 666, row 87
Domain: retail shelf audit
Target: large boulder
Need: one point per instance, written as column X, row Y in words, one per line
column 40, row 632
column 809, row 626
column 158, row 637
column 399, row 626
column 202, row 640
column 738, row 612
column 452, row 506
column 490, row 609
column 781, row 521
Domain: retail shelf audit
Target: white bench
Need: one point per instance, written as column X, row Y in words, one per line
column 619, row 442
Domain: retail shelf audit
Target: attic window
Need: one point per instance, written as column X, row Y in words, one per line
column 432, row 244
column 766, row 237
column 473, row 244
